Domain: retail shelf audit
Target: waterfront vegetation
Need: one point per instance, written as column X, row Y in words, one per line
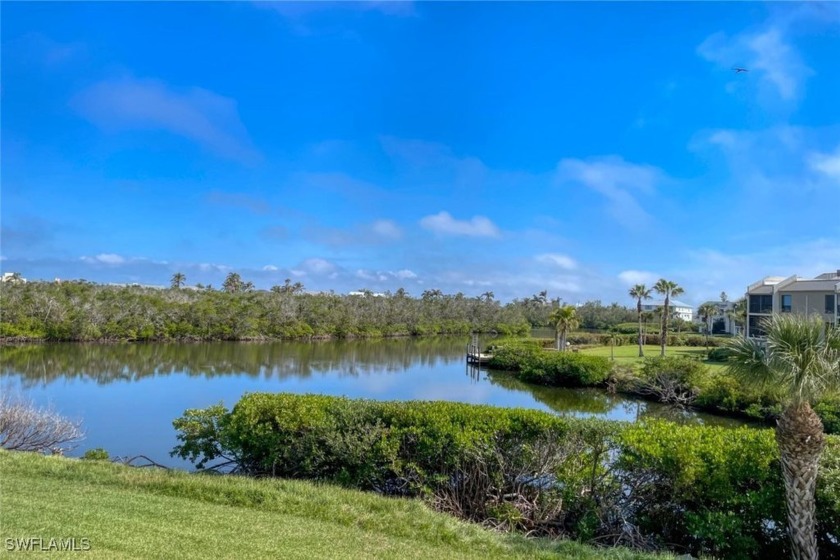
column 706, row 490
column 127, row 512
column 83, row 311
column 683, row 378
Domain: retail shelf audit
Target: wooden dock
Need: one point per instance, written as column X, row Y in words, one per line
column 474, row 354
column 478, row 357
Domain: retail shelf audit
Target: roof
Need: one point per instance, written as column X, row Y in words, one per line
column 767, row 281
column 813, row 286
column 825, row 282
column 719, row 304
column 671, row 303
column 761, row 290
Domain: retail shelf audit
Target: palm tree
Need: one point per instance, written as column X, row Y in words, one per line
column 738, row 313
column 707, row 311
column 233, row 283
column 563, row 319
column 668, row 289
column 646, row 317
column 640, row 292
column 613, row 337
column 800, row 357
column 177, row 280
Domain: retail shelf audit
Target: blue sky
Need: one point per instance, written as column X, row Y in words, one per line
column 512, row 147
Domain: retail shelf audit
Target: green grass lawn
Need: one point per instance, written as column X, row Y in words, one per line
column 128, row 512
column 628, row 354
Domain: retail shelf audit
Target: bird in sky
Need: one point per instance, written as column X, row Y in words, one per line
column 739, row 69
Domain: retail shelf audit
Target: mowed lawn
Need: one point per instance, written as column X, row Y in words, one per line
column 628, row 354
column 127, row 512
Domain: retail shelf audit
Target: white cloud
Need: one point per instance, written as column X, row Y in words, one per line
column 380, row 276
column 387, row 229
column 778, row 159
column 778, row 61
column 617, row 180
column 318, row 266
column 377, row 233
column 270, row 268
column 633, row 277
column 210, row 267
column 105, row 258
column 443, row 223
column 555, row 259
column 200, row 115
column 766, row 54
column 826, row 164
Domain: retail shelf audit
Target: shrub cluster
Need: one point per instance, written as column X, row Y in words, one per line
column 480, row 462
column 533, row 364
column 721, row 354
column 670, row 379
column 708, row 490
column 678, row 380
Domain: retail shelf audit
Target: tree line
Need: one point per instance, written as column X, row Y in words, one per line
column 84, row 311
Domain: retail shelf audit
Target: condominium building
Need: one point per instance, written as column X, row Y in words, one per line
column 775, row 294
column 678, row 308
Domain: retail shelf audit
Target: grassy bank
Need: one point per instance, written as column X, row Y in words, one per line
column 140, row 513
column 629, row 354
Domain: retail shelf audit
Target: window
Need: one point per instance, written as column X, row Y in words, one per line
column 786, row 303
column 756, row 326
column 829, row 303
column 761, row 304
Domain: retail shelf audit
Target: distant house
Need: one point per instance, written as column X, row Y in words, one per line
column 722, row 320
column 775, row 294
column 680, row 309
column 13, row 277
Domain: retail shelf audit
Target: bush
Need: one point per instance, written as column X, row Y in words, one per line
column 672, row 379
column 705, row 490
column 480, row 462
column 509, row 355
column 721, row 354
column 711, row 489
column 27, row 427
column 532, row 364
column 97, row 454
column 564, row 369
column 828, row 410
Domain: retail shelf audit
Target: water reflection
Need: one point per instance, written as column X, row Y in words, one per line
column 108, row 363
column 584, row 402
column 128, row 394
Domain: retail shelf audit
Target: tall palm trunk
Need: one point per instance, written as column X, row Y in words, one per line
column 799, row 434
column 663, row 331
column 641, row 347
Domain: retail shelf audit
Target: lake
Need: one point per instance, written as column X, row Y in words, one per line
column 127, row 395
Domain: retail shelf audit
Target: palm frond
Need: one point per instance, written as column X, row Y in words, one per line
column 799, row 357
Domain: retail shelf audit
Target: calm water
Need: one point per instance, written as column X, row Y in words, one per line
column 128, row 394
